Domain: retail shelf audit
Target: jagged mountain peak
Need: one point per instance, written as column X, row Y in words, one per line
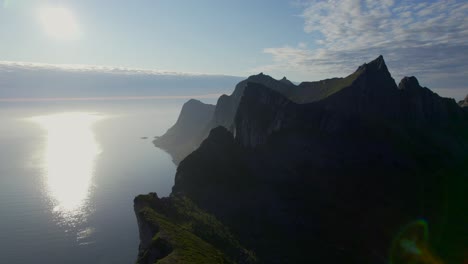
column 287, row 82
column 283, row 86
column 261, row 76
column 409, row 83
column 220, row 133
column 193, row 102
column 377, row 65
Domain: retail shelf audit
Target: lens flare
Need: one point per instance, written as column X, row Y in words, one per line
column 411, row 246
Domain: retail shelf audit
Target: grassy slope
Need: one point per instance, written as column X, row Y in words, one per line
column 322, row 89
column 194, row 235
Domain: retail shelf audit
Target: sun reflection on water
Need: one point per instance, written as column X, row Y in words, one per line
column 68, row 162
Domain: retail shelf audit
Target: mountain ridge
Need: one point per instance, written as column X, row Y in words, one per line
column 339, row 175
column 305, row 92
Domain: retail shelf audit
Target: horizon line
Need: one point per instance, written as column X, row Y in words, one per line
column 107, row 98
column 105, row 68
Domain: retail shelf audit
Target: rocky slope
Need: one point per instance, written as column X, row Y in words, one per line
column 334, row 180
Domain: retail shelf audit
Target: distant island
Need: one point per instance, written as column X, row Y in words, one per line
column 321, row 172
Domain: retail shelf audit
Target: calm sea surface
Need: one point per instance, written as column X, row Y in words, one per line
column 69, row 173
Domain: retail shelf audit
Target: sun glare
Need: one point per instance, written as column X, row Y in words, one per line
column 69, row 155
column 59, row 23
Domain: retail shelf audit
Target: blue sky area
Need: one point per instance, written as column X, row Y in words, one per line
column 301, row 39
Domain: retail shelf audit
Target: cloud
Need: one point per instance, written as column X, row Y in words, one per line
column 34, row 66
column 23, row 81
column 425, row 39
column 109, row 98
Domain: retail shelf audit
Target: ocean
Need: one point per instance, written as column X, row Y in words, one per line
column 69, row 172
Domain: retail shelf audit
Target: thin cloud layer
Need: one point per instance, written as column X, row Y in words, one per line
column 9, row 66
column 33, row 81
column 425, row 39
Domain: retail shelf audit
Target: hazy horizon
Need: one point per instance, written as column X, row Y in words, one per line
column 304, row 40
column 32, row 82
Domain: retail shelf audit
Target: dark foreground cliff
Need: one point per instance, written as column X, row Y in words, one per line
column 329, row 181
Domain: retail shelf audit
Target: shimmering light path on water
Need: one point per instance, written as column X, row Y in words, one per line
column 69, row 156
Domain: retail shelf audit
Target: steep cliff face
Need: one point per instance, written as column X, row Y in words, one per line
column 226, row 107
column 419, row 104
column 188, row 131
column 262, row 112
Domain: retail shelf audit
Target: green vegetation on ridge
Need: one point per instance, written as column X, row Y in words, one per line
column 188, row 234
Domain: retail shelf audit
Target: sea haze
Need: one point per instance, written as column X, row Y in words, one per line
column 66, row 188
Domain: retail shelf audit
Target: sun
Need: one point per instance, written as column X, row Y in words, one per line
column 59, row 23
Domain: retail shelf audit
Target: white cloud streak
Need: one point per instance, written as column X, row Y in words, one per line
column 426, row 39
column 21, row 66
column 24, row 81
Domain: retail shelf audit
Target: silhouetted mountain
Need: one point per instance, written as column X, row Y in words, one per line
column 223, row 115
column 226, row 107
column 334, row 180
column 287, row 82
column 369, row 91
column 419, row 104
column 184, row 135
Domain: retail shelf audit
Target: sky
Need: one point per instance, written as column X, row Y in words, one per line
column 304, row 40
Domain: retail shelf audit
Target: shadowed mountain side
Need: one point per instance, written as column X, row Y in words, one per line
column 188, row 131
column 419, row 104
column 339, row 185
